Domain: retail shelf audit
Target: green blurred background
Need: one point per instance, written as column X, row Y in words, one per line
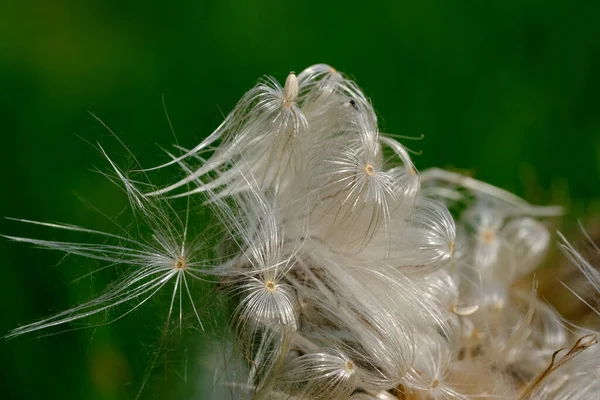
column 507, row 90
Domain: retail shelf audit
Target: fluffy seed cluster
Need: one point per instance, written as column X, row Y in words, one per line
column 354, row 276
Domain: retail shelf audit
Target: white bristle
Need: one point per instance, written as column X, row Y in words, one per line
column 347, row 274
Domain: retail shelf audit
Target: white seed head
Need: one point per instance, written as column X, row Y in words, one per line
column 352, row 274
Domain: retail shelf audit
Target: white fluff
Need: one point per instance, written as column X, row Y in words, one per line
column 352, row 276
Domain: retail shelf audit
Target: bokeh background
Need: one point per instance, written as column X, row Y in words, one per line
column 508, row 91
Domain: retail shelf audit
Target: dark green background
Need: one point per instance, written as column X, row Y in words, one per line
column 508, row 90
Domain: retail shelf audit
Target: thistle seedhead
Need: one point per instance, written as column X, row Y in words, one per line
column 352, row 275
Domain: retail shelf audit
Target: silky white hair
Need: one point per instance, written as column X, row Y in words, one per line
column 353, row 276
